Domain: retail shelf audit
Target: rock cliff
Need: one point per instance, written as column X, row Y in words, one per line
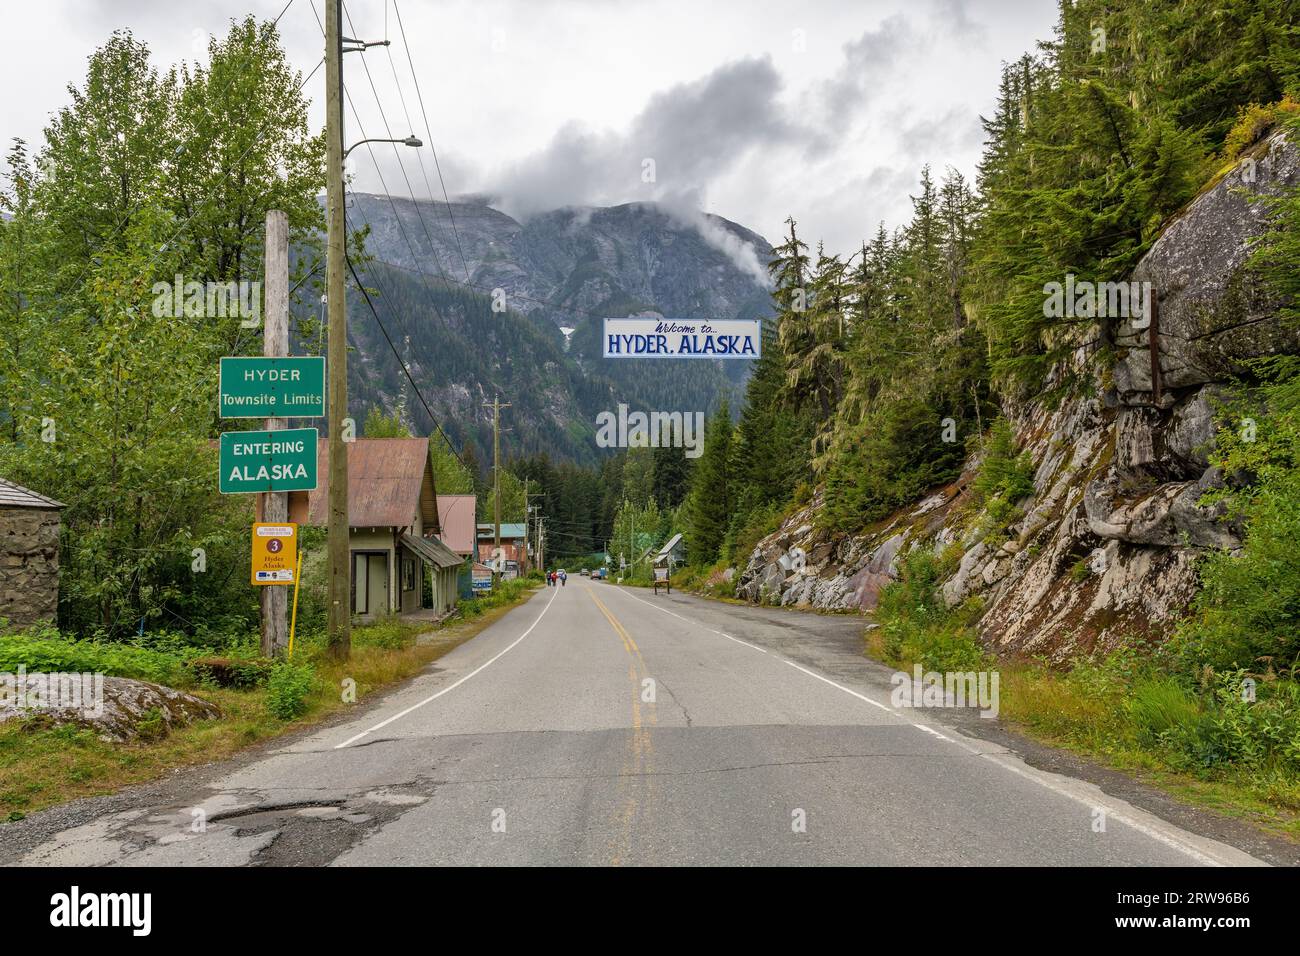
column 1108, row 543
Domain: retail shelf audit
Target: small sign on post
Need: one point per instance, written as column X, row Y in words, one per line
column 281, row 460
column 275, row 553
column 279, row 387
column 661, row 577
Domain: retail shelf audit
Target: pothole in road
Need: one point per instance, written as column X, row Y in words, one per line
column 316, row 832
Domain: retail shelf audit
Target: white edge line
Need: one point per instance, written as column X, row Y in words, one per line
column 1110, row 810
column 433, row 697
column 711, row 630
column 862, row 697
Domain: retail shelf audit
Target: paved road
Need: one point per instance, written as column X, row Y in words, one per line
column 602, row 725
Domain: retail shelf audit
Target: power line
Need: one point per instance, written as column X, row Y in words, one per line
column 428, row 133
column 410, row 246
column 398, row 355
column 473, row 287
column 384, row 185
column 396, row 152
column 401, row 228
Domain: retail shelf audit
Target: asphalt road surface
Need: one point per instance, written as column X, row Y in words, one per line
column 602, row 725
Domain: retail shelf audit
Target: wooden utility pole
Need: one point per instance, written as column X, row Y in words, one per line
column 528, row 525
column 339, row 625
column 496, row 407
column 275, row 344
column 523, row 565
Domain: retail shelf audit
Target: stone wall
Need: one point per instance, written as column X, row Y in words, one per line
column 29, row 564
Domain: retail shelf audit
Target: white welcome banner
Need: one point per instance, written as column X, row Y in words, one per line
column 683, row 338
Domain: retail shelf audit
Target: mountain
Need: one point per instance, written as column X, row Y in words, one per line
column 565, row 269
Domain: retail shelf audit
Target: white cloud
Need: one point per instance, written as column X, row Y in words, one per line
column 558, row 102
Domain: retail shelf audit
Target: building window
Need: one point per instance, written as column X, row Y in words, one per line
column 408, row 574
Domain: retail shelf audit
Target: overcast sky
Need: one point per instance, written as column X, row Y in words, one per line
column 750, row 109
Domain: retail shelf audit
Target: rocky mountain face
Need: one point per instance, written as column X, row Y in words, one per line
column 567, row 269
column 573, row 263
column 1109, row 540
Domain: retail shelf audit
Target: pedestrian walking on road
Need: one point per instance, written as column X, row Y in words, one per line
column 564, row 576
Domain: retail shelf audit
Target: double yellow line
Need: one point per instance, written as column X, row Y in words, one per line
column 629, row 645
column 638, row 760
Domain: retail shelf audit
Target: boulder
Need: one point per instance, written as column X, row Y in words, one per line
column 1212, row 313
column 117, row 709
column 1169, row 516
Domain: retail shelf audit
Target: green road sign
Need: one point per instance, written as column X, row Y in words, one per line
column 282, row 460
column 290, row 387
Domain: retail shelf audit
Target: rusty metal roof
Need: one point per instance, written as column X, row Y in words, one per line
column 432, row 551
column 456, row 517
column 16, row 496
column 389, row 481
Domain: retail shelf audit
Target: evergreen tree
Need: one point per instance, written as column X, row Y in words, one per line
column 710, row 502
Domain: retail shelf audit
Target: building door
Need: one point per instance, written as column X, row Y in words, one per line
column 370, row 582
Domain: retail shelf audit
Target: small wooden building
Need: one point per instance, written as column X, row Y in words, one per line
column 394, row 527
column 514, row 542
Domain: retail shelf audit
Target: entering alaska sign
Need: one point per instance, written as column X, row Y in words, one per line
column 683, row 338
column 280, row 460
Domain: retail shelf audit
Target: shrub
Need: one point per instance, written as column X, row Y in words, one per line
column 151, row 725
column 389, row 633
column 918, row 627
column 44, row 649
column 758, row 524
column 1158, row 706
column 1254, row 121
column 287, row 689
column 233, row 672
column 1249, row 605
column 502, row 593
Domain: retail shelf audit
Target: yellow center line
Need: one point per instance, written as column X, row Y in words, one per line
column 637, row 761
column 619, row 629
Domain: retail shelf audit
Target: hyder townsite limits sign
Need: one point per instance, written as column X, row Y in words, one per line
column 268, row 387
column 289, row 387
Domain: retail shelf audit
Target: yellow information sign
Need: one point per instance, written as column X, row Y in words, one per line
column 275, row 553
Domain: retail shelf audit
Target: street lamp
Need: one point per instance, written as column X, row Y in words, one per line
column 409, row 141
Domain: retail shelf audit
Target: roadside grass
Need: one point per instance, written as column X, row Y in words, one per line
column 1195, row 738
column 40, row 768
column 1172, row 751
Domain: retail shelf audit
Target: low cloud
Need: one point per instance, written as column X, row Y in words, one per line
column 685, row 209
column 868, row 61
column 681, row 140
column 684, row 138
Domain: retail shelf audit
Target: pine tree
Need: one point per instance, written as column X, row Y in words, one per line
column 710, row 503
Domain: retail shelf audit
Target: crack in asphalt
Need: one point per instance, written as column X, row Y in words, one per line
column 685, row 713
column 468, row 781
